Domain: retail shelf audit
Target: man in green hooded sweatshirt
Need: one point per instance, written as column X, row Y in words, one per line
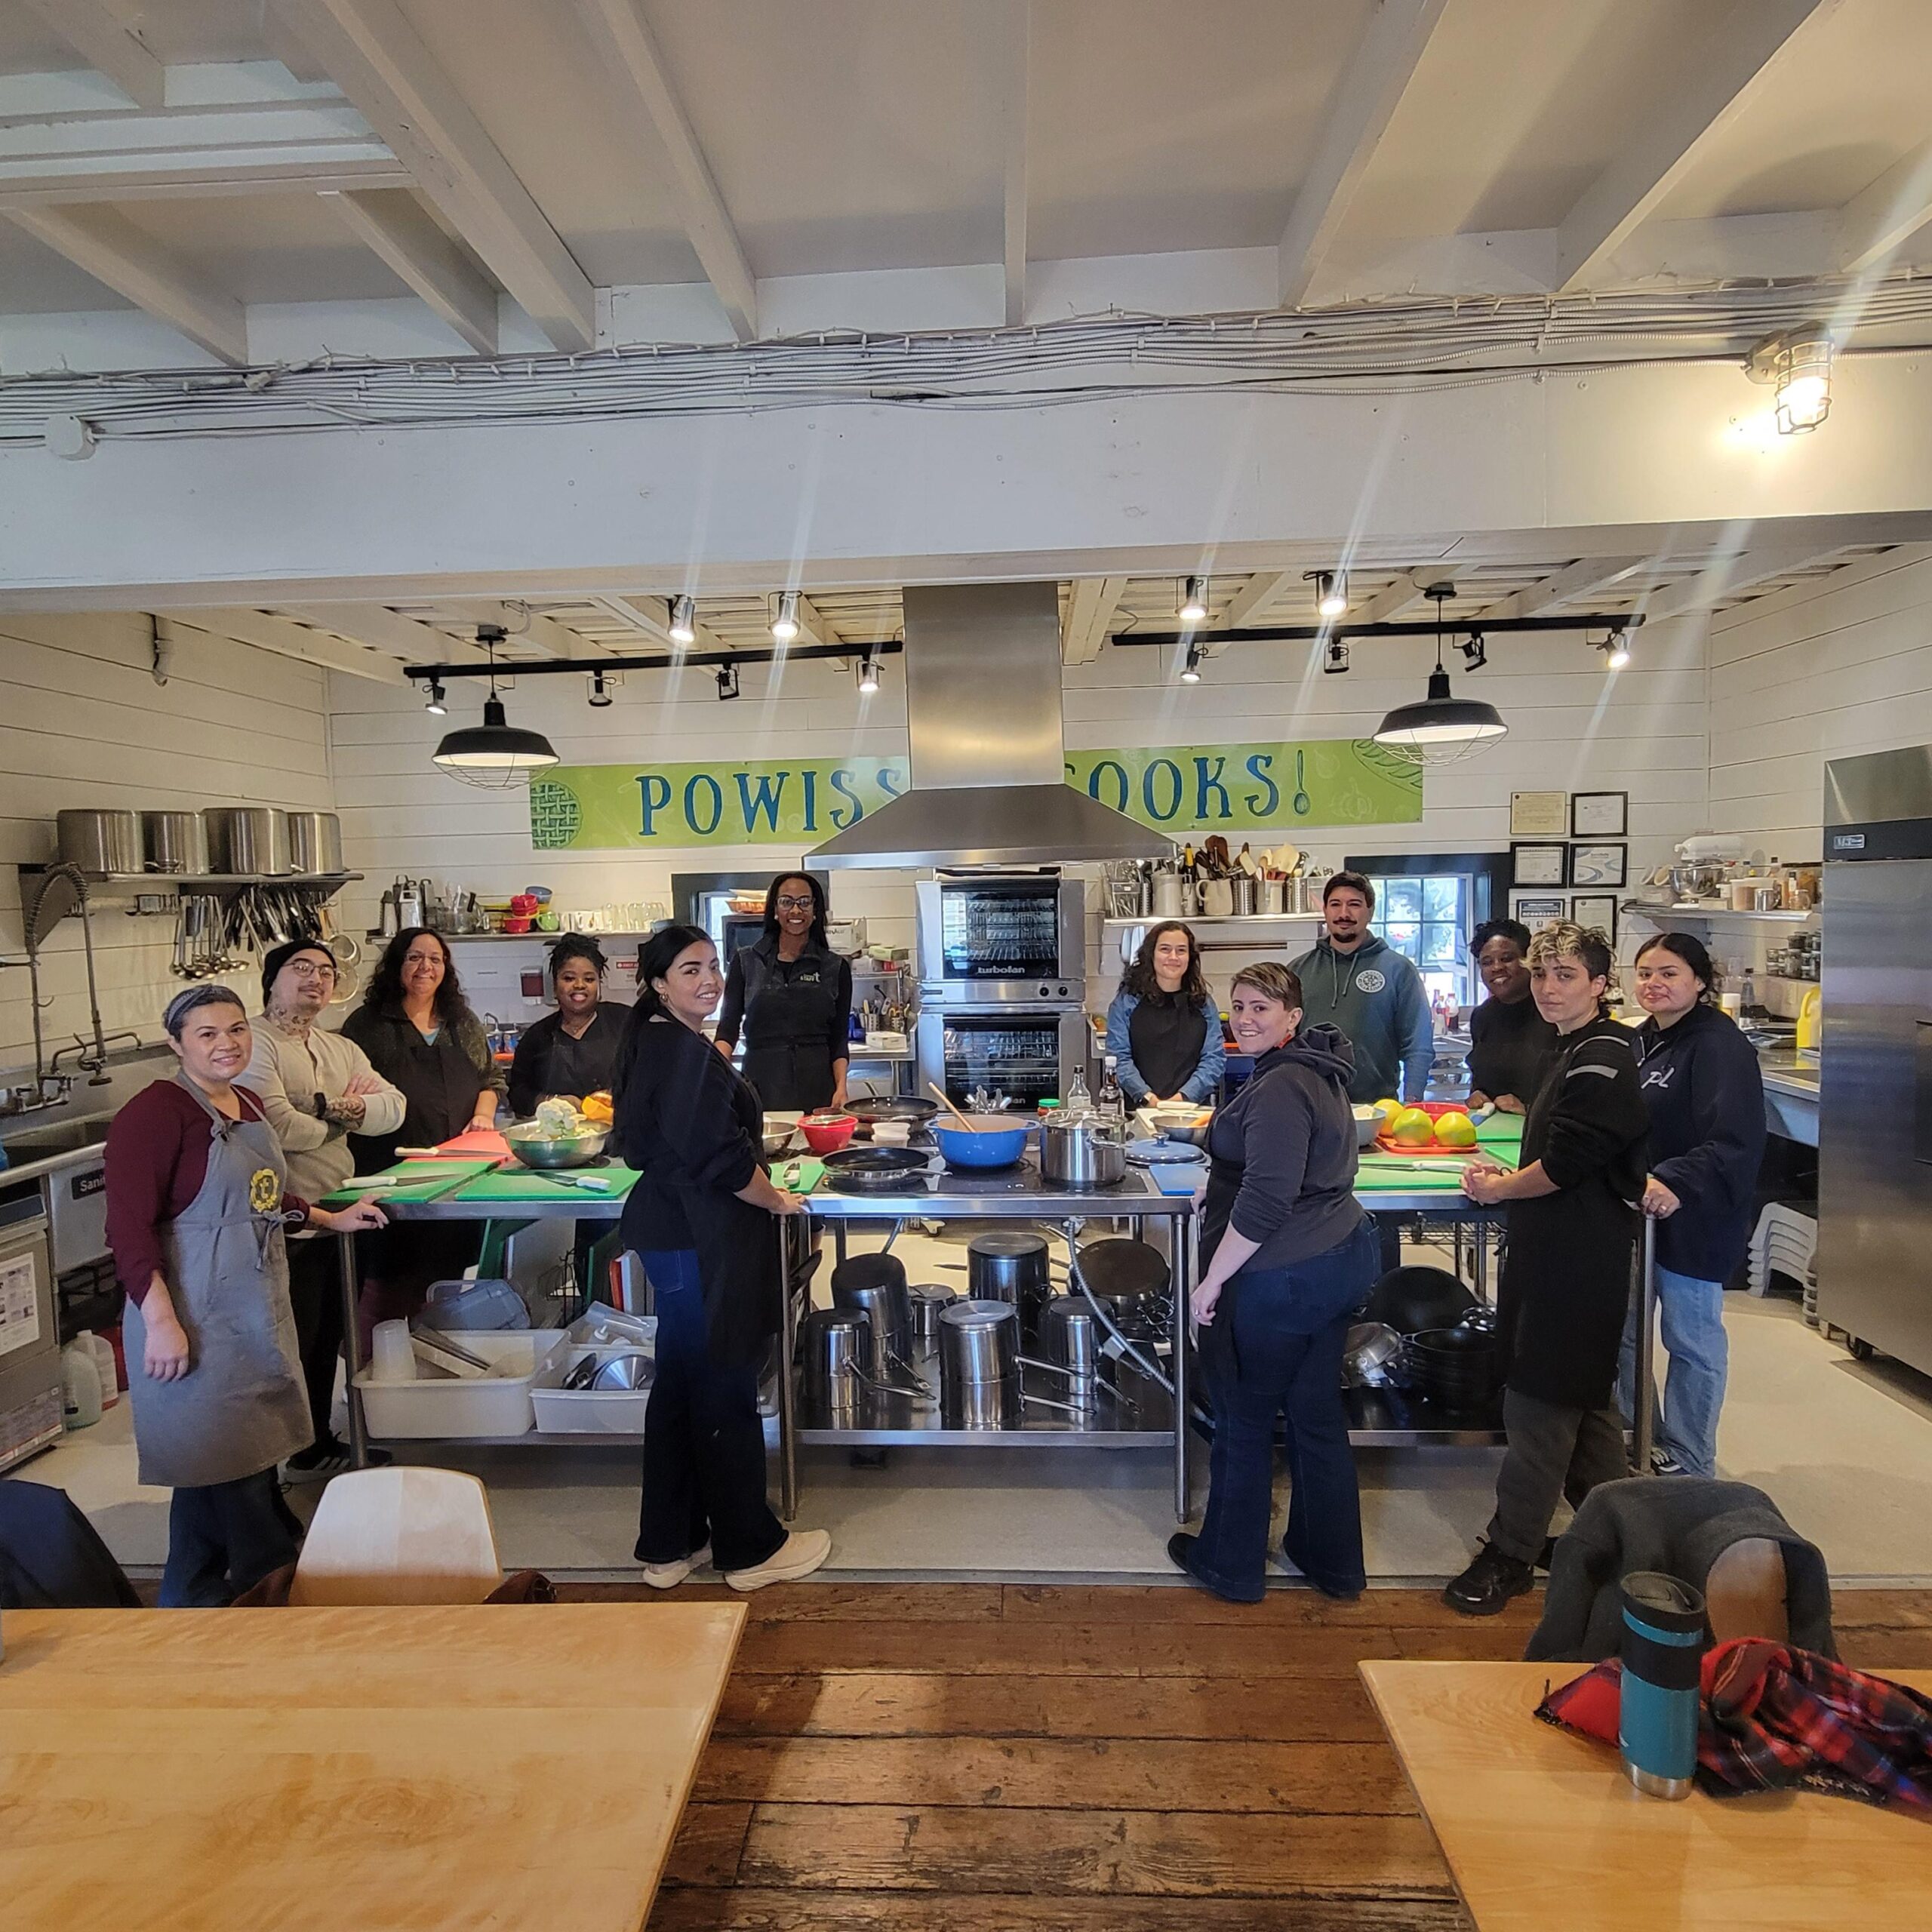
column 1351, row 979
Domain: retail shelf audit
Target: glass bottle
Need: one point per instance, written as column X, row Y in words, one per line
column 1110, row 1103
column 1078, row 1099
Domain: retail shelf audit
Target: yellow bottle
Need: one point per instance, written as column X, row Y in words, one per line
column 1811, row 1020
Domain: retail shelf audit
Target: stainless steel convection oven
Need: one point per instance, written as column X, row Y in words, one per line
column 1002, row 981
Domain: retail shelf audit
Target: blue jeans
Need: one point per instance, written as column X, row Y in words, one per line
column 704, row 1437
column 1289, row 1325
column 1691, row 1314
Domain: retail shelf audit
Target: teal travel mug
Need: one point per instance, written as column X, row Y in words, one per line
column 1663, row 1651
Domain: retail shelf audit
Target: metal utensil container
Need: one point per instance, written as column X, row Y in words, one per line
column 979, row 1364
column 1086, row 1152
column 100, row 841
column 247, row 839
column 315, row 842
column 174, row 842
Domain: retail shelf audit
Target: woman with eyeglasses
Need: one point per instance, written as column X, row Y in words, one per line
column 791, row 996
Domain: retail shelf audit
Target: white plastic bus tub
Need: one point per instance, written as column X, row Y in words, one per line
column 436, row 1405
column 592, row 1411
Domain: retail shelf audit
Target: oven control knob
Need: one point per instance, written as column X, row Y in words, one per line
column 1044, row 991
column 1063, row 992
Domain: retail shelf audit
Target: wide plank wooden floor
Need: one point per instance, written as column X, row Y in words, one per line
column 989, row 1757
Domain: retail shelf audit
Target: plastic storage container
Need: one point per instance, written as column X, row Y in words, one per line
column 438, row 1405
column 592, row 1411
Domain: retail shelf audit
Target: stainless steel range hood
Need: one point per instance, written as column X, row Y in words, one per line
column 983, row 709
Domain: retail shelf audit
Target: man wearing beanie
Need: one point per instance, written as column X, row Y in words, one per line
column 316, row 1089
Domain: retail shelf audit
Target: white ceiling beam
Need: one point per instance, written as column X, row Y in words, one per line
column 1092, row 603
column 620, row 26
column 1372, row 83
column 223, row 127
column 104, row 243
column 1710, row 79
column 1583, row 579
column 406, row 639
column 401, row 235
column 529, row 631
column 1733, row 574
column 266, row 632
column 379, row 62
column 1018, row 49
column 1248, row 603
column 104, row 42
column 1872, row 226
column 1404, row 594
column 650, row 617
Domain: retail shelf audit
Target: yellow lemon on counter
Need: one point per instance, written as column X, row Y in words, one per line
column 1389, row 1110
column 1456, row 1130
column 1412, row 1127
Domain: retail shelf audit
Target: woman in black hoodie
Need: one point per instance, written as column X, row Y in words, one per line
column 1289, row 1258
column 1706, row 1092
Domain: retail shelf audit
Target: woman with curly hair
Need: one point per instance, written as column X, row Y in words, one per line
column 1162, row 1029
column 421, row 1034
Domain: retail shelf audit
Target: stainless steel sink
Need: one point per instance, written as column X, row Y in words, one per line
column 59, row 1136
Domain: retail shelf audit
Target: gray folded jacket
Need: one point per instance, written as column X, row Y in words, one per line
column 1680, row 1525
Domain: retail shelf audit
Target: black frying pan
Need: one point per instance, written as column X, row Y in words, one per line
column 850, row 1162
column 887, row 1107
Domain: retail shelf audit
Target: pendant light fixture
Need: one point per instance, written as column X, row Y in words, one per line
column 494, row 755
column 1440, row 729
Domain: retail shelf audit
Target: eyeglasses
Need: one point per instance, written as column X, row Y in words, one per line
column 788, row 904
column 309, row 969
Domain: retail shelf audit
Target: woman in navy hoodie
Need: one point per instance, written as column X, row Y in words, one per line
column 1289, row 1257
column 1706, row 1093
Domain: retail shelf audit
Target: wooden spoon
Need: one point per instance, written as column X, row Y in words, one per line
column 945, row 1099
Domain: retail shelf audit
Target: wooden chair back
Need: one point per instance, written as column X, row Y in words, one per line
column 399, row 1535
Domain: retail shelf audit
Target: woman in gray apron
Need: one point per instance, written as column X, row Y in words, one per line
column 195, row 1209
column 791, row 995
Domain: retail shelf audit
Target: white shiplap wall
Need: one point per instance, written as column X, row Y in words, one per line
column 83, row 723
column 1838, row 664
column 1573, row 727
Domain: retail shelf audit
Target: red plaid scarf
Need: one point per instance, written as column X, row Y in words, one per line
column 1774, row 1717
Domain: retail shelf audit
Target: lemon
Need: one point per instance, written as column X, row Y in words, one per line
column 1456, row 1130
column 1412, row 1127
column 1389, row 1110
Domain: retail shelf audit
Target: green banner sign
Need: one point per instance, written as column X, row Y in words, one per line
column 1180, row 789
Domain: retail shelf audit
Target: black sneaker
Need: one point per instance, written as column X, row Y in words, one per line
column 1180, row 1546
column 329, row 1457
column 1486, row 1586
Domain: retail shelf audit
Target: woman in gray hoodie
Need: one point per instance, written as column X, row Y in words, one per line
column 1289, row 1257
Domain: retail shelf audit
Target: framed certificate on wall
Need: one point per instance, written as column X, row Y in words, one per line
column 1539, row 908
column 1538, row 815
column 1594, row 864
column 1538, row 864
column 1595, row 909
column 1600, row 815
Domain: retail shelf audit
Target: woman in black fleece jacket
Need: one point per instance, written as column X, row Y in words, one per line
column 1289, row 1258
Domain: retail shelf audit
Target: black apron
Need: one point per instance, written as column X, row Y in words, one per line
column 787, row 1028
column 549, row 1061
column 1166, row 1037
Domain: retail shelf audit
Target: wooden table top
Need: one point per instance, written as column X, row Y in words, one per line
column 357, row 1770
column 1541, row 1830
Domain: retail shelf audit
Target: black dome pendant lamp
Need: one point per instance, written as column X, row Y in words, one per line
column 495, row 755
column 1441, row 728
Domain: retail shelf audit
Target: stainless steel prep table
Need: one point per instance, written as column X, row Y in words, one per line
column 1006, row 1194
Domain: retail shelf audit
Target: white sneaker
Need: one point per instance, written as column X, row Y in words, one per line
column 669, row 1576
column 798, row 1556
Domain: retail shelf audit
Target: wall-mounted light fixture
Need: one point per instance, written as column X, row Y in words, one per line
column 727, row 681
column 600, row 692
column 435, row 704
column 1616, row 650
column 1335, row 657
column 1797, row 366
column 1476, row 652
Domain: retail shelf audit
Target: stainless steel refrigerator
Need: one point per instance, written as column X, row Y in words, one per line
column 1875, row 1125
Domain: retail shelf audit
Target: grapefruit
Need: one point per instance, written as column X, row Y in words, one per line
column 1412, row 1127
column 1456, row 1130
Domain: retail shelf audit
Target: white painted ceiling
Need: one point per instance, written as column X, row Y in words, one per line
column 868, row 134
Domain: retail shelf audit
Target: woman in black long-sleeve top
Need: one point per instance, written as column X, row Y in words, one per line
column 573, row 1050
column 1574, row 1223
column 700, row 1218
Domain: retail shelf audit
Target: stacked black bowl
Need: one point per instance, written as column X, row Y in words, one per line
column 1460, row 1370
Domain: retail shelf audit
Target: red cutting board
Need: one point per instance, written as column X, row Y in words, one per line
column 482, row 1143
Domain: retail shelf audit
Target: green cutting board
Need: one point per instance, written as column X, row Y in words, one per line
column 422, row 1180
column 810, row 1174
column 1505, row 1128
column 510, row 1184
